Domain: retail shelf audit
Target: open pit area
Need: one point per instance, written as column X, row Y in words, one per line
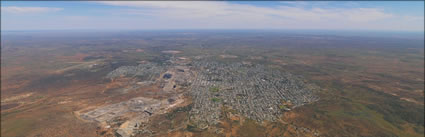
column 136, row 111
column 253, row 91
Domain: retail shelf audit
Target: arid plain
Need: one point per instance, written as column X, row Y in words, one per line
column 211, row 83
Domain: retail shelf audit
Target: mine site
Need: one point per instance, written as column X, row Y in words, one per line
column 252, row 91
column 212, row 69
column 210, row 84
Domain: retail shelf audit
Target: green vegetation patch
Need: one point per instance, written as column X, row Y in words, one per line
column 214, row 89
column 215, row 99
column 283, row 107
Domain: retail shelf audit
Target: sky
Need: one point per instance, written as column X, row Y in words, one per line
column 163, row 15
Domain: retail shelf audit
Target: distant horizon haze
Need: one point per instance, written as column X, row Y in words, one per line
column 235, row 15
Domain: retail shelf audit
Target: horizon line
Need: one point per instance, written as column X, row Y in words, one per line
column 216, row 29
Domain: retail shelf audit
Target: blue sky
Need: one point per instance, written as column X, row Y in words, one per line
column 139, row 15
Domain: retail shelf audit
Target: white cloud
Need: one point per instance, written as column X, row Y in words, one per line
column 25, row 10
column 223, row 15
column 296, row 15
column 197, row 9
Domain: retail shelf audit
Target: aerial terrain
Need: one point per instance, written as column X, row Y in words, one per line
column 222, row 83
